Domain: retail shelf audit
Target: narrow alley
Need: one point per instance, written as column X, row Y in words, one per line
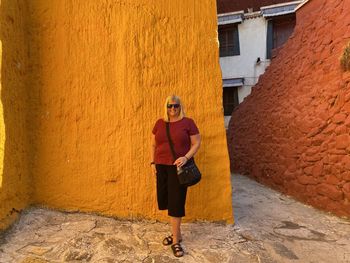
column 269, row 227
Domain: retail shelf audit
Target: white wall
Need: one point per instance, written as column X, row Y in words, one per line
column 252, row 39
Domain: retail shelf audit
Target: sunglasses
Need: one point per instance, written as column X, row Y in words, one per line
column 169, row 106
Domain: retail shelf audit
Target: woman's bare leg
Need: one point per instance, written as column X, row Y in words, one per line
column 176, row 230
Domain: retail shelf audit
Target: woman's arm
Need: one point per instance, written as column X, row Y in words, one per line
column 153, row 148
column 195, row 144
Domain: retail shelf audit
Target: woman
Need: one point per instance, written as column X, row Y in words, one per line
column 171, row 195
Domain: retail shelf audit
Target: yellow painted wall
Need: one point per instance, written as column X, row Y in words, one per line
column 15, row 178
column 100, row 71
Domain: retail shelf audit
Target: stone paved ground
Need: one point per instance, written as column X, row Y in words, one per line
column 270, row 227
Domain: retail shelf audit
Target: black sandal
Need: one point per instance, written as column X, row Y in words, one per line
column 169, row 240
column 177, row 250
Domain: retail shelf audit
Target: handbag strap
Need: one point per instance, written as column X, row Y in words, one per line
column 167, row 125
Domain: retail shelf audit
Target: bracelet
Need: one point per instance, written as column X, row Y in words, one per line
column 186, row 157
column 152, row 163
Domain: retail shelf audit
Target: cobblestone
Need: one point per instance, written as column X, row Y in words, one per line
column 269, row 227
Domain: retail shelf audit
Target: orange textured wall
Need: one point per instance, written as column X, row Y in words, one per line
column 292, row 132
column 15, row 177
column 101, row 71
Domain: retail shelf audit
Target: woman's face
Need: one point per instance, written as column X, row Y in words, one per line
column 173, row 109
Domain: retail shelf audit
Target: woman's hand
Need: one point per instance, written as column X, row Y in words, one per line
column 154, row 170
column 180, row 161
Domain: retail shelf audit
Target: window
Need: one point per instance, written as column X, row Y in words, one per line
column 230, row 100
column 229, row 40
column 279, row 30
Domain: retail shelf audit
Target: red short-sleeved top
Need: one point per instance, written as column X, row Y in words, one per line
column 180, row 132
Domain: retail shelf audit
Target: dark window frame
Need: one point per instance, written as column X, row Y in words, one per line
column 273, row 23
column 230, row 99
column 229, row 40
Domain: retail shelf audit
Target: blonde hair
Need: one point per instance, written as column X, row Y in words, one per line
column 177, row 100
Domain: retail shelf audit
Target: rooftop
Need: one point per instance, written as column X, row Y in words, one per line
column 227, row 6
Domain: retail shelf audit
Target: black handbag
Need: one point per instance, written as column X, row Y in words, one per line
column 189, row 173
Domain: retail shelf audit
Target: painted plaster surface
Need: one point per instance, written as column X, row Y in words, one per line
column 15, row 180
column 252, row 39
column 292, row 132
column 101, row 72
column 269, row 227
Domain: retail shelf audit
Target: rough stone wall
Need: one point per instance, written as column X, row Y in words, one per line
column 101, row 72
column 292, row 132
column 15, row 178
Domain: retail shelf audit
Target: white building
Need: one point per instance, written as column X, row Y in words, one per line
column 247, row 38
